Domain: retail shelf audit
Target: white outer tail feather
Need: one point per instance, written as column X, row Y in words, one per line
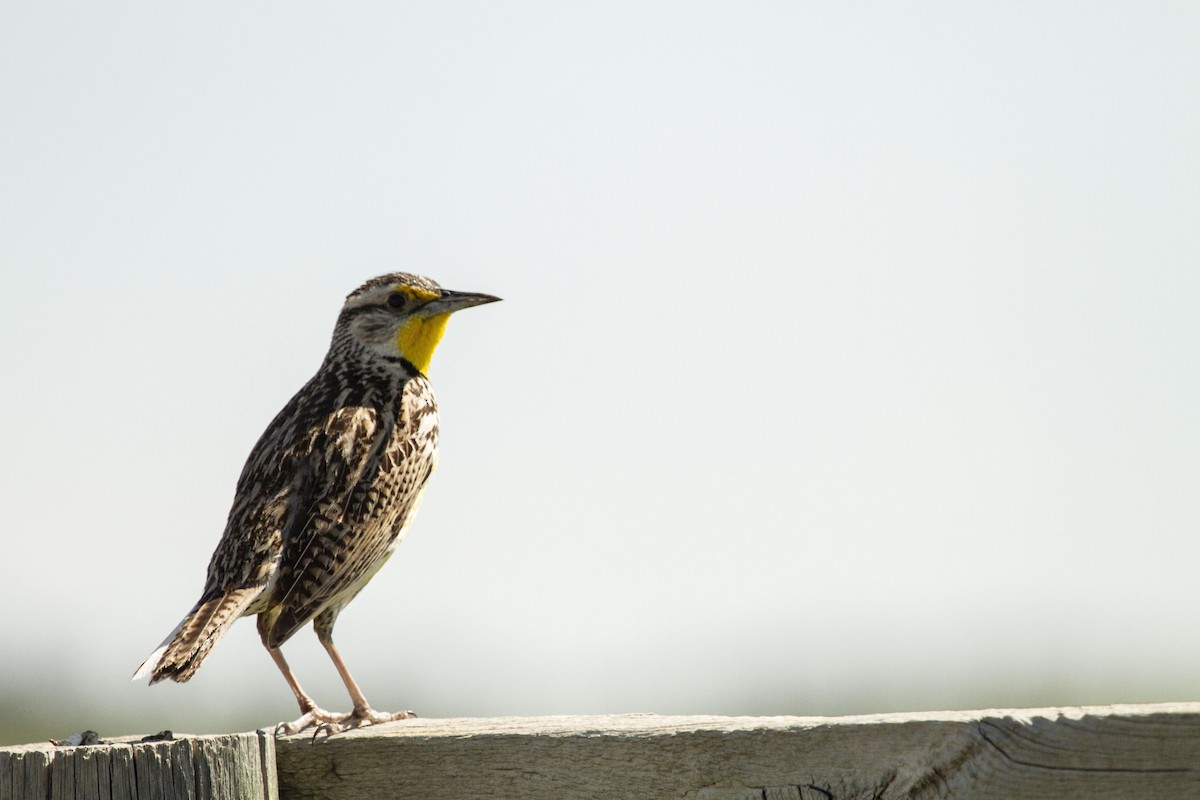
column 152, row 660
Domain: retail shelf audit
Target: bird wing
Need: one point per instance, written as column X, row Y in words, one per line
column 335, row 528
column 302, row 470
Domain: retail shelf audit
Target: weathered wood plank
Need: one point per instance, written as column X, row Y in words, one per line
column 6, row 775
column 186, row 768
column 1102, row 752
column 37, row 779
column 87, row 774
column 1125, row 752
column 62, row 779
column 121, row 773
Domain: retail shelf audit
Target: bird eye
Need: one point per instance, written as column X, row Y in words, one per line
column 396, row 300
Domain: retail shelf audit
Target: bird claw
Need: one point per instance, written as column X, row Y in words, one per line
column 314, row 717
column 325, row 724
column 358, row 719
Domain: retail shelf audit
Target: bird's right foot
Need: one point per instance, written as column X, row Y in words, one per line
column 359, row 718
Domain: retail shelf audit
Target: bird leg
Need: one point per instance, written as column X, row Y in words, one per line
column 362, row 714
column 311, row 715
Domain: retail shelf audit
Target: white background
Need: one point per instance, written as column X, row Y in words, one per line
column 848, row 360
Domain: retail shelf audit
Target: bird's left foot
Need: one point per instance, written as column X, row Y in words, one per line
column 312, row 718
column 358, row 718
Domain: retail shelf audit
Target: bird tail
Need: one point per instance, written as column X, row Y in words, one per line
column 186, row 647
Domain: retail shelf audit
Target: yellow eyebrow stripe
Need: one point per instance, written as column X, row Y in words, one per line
column 414, row 293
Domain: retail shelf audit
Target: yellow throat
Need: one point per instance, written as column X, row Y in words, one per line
column 418, row 338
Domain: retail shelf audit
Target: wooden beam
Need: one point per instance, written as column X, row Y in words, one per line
column 1126, row 752
column 225, row 767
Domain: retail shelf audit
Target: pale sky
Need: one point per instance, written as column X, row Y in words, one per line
column 849, row 359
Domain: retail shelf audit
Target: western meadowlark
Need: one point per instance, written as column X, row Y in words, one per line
column 328, row 491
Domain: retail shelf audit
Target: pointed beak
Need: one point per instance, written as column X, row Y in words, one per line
column 451, row 301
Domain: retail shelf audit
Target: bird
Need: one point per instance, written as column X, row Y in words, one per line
column 328, row 492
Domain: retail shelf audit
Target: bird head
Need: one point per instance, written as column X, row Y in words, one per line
column 402, row 315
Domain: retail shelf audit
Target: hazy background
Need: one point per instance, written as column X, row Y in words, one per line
column 848, row 360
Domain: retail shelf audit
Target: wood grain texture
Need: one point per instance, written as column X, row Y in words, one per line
column 1126, row 752
column 189, row 768
column 1101, row 752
